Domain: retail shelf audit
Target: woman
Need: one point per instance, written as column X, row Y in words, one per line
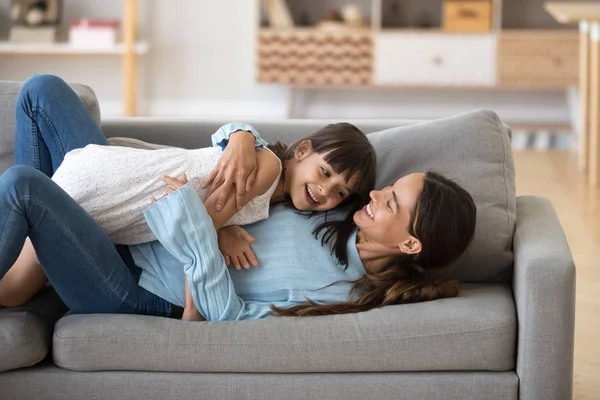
column 422, row 222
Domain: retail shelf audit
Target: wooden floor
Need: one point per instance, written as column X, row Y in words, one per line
column 555, row 175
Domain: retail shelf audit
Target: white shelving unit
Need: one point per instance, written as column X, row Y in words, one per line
column 524, row 50
column 129, row 50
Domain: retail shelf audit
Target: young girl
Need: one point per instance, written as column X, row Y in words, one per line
column 317, row 173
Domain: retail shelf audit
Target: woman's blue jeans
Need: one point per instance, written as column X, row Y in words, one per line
column 90, row 273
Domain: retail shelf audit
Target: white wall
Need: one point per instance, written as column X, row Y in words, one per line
column 201, row 63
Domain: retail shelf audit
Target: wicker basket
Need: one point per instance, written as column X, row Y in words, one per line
column 538, row 58
column 314, row 57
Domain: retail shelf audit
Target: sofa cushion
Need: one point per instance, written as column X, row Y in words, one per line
column 24, row 339
column 26, row 332
column 474, row 150
column 475, row 331
column 9, row 92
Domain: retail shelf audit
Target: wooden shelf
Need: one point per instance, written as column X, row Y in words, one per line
column 140, row 48
column 431, row 31
column 313, row 29
column 567, row 13
column 449, row 87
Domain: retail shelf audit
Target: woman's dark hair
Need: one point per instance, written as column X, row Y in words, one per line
column 348, row 151
column 444, row 221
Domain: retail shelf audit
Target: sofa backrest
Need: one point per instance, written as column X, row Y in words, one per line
column 9, row 92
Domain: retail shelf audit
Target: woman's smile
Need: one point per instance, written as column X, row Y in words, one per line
column 367, row 212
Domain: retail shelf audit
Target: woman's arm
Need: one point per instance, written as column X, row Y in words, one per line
column 182, row 225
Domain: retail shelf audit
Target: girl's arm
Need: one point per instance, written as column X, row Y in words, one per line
column 222, row 136
column 268, row 171
column 237, row 166
column 182, row 224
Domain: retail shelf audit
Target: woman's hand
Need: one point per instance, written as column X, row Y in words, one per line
column 172, row 185
column 236, row 167
column 234, row 243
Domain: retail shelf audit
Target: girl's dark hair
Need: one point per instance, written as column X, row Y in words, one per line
column 347, row 149
column 444, row 221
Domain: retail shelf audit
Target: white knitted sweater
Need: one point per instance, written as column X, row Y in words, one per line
column 114, row 184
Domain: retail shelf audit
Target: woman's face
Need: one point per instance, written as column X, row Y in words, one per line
column 386, row 218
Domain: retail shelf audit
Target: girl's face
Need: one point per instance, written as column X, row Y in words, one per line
column 386, row 218
column 314, row 185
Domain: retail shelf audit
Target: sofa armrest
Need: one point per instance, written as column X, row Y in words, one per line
column 544, row 290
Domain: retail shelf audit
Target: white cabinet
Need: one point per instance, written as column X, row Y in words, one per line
column 432, row 59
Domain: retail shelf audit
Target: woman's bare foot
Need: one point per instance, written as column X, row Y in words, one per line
column 191, row 314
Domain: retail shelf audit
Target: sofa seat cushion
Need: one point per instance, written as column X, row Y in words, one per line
column 26, row 332
column 475, row 331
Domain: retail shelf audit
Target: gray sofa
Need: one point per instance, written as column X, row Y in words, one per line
column 508, row 335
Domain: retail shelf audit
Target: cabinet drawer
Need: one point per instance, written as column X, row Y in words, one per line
column 467, row 16
column 538, row 58
column 434, row 59
column 313, row 57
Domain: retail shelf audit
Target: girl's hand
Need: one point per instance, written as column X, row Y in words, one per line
column 236, row 167
column 172, row 185
column 234, row 243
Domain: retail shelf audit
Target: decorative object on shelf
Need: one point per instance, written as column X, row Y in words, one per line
column 468, row 15
column 333, row 19
column 279, row 14
column 353, row 16
column 35, row 12
column 349, row 16
column 34, row 21
column 315, row 57
column 96, row 34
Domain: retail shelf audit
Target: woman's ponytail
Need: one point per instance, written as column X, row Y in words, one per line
column 394, row 285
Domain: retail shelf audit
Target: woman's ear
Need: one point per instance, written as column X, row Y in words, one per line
column 411, row 246
column 303, row 150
